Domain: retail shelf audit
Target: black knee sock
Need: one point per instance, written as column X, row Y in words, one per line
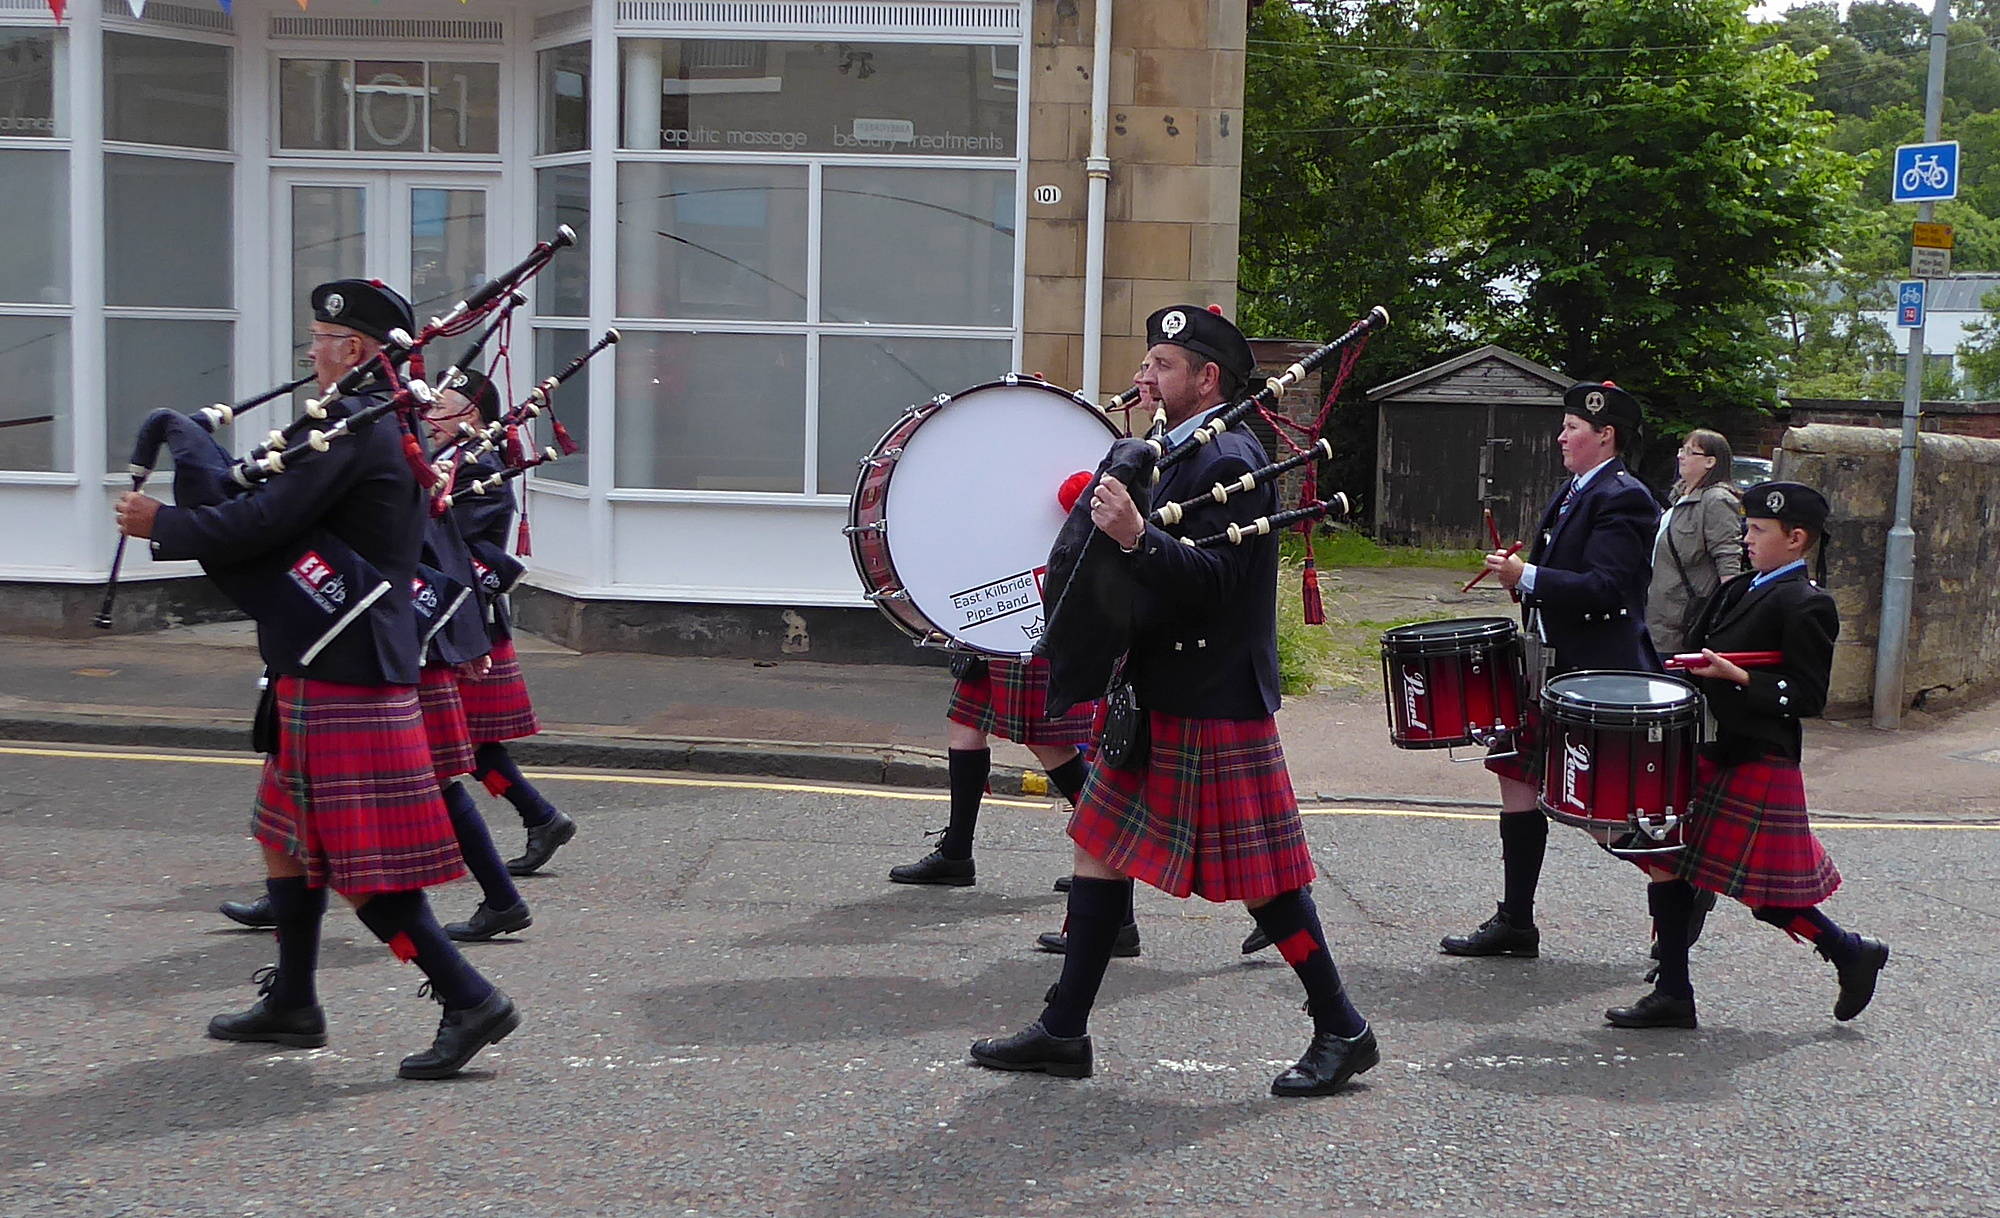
column 403, row 921
column 1097, row 908
column 494, row 767
column 1808, row 923
column 967, row 770
column 1672, row 905
column 1524, row 838
column 476, row 844
column 298, row 910
column 1069, row 777
column 1292, row 923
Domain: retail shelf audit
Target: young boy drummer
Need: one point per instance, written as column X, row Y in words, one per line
column 1748, row 836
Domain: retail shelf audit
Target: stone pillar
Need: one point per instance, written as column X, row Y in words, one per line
column 1176, row 148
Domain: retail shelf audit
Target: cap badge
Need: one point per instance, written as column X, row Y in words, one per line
column 1173, row 323
column 1594, row 401
column 1774, row 501
column 334, row 303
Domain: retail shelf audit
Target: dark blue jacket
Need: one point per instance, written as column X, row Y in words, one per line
column 486, row 518
column 1786, row 614
column 1593, row 564
column 1205, row 638
column 362, row 491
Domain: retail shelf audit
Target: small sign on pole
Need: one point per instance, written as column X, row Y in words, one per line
column 1929, row 263
column 1910, row 304
column 1931, row 236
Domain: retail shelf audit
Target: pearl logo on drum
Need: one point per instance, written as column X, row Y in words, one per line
column 1576, row 763
column 1415, row 696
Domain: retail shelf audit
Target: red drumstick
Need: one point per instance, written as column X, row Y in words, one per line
column 1742, row 659
column 1486, row 571
column 1493, row 530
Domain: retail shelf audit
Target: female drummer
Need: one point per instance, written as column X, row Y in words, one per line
column 1749, row 837
column 1583, row 600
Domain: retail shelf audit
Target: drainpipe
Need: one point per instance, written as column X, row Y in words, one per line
column 1098, row 169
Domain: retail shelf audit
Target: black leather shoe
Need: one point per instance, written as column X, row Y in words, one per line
column 1655, row 1010
column 1328, row 1063
column 299, row 1027
column 1857, row 977
column 1496, row 936
column 255, row 914
column 1062, row 882
column 461, row 1035
column 543, row 842
column 935, row 868
column 1033, row 1049
column 486, row 923
column 1256, row 941
column 1125, row 945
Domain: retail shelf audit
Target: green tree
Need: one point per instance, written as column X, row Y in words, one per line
column 1647, row 179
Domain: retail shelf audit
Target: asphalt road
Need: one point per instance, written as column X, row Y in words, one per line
column 729, row 1012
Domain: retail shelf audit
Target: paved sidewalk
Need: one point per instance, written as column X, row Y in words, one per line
column 195, row 687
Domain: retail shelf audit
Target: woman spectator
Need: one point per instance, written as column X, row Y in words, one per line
column 1700, row 543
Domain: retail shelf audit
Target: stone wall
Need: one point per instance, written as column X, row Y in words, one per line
column 1174, row 201
column 1955, row 618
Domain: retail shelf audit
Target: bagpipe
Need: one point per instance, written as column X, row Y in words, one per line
column 1089, row 595
column 505, row 434
column 309, row 590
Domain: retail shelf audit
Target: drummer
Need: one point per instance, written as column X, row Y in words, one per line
column 1749, row 837
column 1583, row 605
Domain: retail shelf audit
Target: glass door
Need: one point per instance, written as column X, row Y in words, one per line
column 424, row 234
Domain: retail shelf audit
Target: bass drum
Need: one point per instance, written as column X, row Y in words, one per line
column 957, row 506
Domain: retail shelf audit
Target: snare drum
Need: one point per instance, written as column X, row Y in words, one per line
column 956, row 509
column 1619, row 757
column 1452, row 683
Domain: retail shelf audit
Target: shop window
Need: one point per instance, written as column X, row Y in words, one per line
column 562, row 196
column 713, row 241
column 34, row 195
column 918, row 246
column 34, row 382
column 159, row 361
column 711, row 412
column 380, row 105
column 565, row 73
column 185, row 264
column 554, row 349
column 165, row 91
column 28, row 84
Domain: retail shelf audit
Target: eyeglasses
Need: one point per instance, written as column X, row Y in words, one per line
column 319, row 336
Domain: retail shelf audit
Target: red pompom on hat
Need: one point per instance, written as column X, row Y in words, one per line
column 1072, row 489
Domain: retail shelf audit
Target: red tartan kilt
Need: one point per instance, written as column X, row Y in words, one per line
column 1009, row 702
column 350, row 792
column 1750, row 838
column 1212, row 813
column 497, row 705
column 444, row 723
column 1526, row 765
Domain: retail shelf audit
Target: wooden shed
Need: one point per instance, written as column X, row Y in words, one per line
column 1476, row 431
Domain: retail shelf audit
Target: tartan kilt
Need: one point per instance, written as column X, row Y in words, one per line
column 1526, row 765
column 1749, row 837
column 1009, row 702
column 444, row 722
column 350, row 792
column 497, row 705
column 1211, row 814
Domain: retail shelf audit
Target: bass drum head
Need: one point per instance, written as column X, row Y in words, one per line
column 972, row 507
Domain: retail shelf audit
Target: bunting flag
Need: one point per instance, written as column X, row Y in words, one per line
column 57, row 7
column 138, row 7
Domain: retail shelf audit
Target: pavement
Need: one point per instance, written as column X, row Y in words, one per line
column 194, row 687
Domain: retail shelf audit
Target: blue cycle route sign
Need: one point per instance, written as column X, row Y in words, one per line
column 1910, row 303
column 1925, row 173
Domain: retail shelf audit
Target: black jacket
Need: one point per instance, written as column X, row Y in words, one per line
column 486, row 518
column 1593, row 564
column 1205, row 638
column 361, row 491
column 1787, row 614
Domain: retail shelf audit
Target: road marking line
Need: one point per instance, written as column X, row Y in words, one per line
column 805, row 788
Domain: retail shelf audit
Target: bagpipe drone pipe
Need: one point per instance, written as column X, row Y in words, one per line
column 1089, row 595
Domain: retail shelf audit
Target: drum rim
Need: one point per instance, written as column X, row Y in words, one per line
column 1693, row 702
column 934, row 636
column 1502, row 627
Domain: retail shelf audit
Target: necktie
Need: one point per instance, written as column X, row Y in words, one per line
column 1569, row 497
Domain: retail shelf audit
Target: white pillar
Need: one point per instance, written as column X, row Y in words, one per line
column 603, row 267
column 86, row 275
column 642, row 255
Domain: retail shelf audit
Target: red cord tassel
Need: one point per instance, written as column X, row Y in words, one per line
column 563, row 442
column 521, row 546
column 1315, row 608
column 414, row 454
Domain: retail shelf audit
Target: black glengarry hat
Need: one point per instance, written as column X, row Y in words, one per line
column 1791, row 503
column 1206, row 333
column 367, row 306
column 480, row 392
column 1601, row 403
